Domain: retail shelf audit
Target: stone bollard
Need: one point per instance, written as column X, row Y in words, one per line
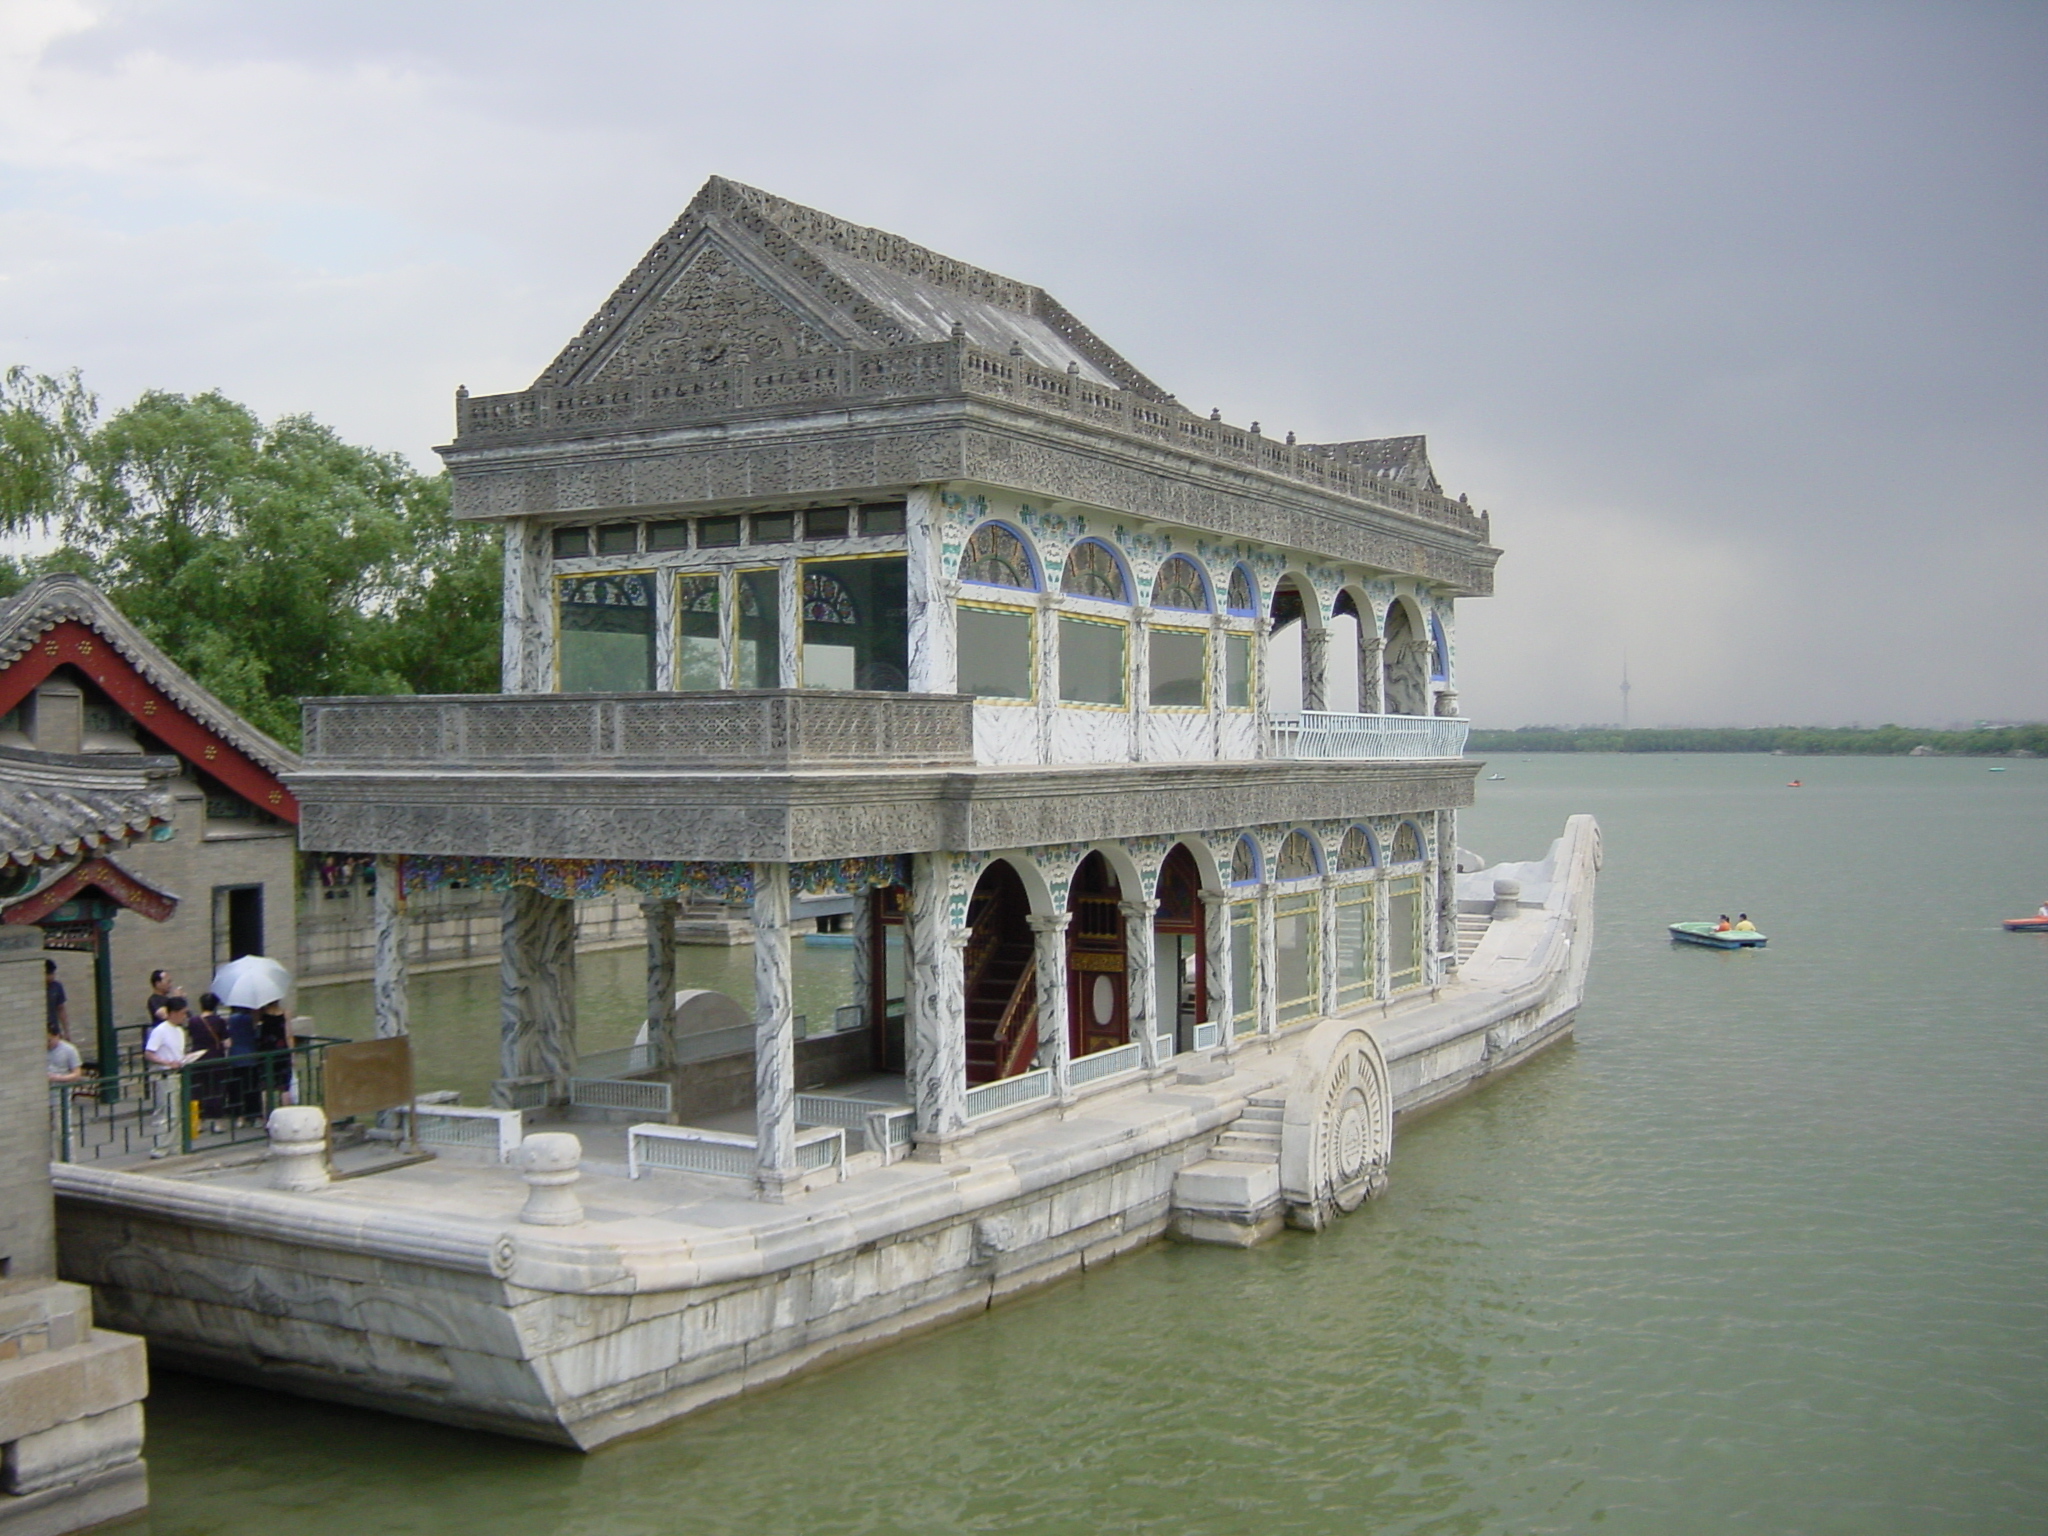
column 1507, row 900
column 548, row 1162
column 298, row 1148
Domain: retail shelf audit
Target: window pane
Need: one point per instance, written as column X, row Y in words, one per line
column 880, row 518
column 1237, row 671
column 774, row 527
column 1091, row 662
column 618, row 539
column 1354, row 943
column 668, row 535
column 1297, row 975
column 826, row 522
column 607, row 634
column 717, row 532
column 697, row 632
column 856, row 624
column 759, row 664
column 995, row 653
column 1404, row 934
column 1180, row 659
column 1244, row 966
column 571, row 543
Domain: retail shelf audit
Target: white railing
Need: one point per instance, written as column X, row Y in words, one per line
column 1097, row 1065
column 884, row 1127
column 1320, row 734
column 628, row 1093
column 725, row 1154
column 1006, row 1092
column 1208, row 1035
column 497, row 1132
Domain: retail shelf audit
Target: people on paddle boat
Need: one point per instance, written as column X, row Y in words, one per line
column 2044, row 910
column 1724, row 925
column 1743, row 924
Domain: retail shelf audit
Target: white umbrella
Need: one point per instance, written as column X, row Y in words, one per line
column 250, row 982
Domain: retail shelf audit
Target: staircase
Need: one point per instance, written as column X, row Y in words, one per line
column 1002, row 1003
column 1254, row 1137
column 1472, row 928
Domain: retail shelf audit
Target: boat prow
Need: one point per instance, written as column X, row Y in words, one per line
column 2026, row 925
column 1716, row 938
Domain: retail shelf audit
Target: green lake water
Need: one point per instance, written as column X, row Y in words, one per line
column 1765, row 1249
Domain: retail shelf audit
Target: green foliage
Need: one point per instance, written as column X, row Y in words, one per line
column 272, row 561
column 1795, row 740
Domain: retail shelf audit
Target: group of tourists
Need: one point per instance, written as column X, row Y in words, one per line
column 1742, row 924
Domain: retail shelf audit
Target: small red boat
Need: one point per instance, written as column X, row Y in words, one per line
column 2026, row 925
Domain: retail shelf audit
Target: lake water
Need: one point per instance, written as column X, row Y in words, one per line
column 1765, row 1249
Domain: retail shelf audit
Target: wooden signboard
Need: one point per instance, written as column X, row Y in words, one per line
column 366, row 1076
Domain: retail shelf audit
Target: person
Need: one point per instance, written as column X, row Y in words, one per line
column 161, row 990
column 65, row 1067
column 167, row 1050
column 55, row 1008
column 274, row 1040
column 1743, row 924
column 1724, row 925
column 211, row 1078
column 245, row 1077
column 2044, row 909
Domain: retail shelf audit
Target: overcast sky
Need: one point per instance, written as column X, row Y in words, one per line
column 1733, row 315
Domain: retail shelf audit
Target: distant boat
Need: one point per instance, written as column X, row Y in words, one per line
column 1999, row 769
column 1794, row 784
column 1726, row 938
column 2026, row 925
column 1494, row 777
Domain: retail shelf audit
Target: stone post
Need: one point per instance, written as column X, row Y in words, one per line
column 527, row 659
column 774, row 1036
column 1446, row 873
column 864, row 978
column 537, row 987
column 1048, row 673
column 550, row 1163
column 659, row 918
column 1216, row 942
column 1219, row 626
column 938, row 1001
column 1055, row 1047
column 298, row 1148
column 1262, row 687
column 1507, row 900
column 1269, row 979
column 934, row 622
column 388, row 988
column 1382, row 947
column 789, row 626
column 1326, row 946
column 1140, row 674
column 1141, row 983
column 1372, row 673
column 1315, row 666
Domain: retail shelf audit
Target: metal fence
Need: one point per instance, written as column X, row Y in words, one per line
column 221, row 1102
column 494, row 1132
column 725, row 1154
column 882, row 1126
column 1320, row 734
column 634, row 1095
column 1007, row 1092
column 1098, row 1065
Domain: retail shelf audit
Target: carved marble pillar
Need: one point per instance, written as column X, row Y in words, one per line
column 863, row 931
column 1055, row 1048
column 1269, row 979
column 1443, row 890
column 537, row 987
column 937, row 1001
column 1262, row 692
column 1372, row 671
column 934, row 617
column 1140, row 674
column 728, row 627
column 660, row 920
column 1382, row 947
column 1216, row 939
column 1315, row 667
column 1141, row 981
column 1327, row 945
column 1219, row 626
column 775, row 1167
column 789, row 632
column 389, row 986
column 527, row 662
column 1048, row 672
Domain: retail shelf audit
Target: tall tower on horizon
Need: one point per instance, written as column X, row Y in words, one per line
column 1624, row 690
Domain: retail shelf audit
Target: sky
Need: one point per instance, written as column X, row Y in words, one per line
column 1732, row 315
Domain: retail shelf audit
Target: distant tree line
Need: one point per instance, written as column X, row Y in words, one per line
column 1798, row 740
column 271, row 560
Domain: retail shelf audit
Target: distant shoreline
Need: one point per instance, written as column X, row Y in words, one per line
column 1791, row 740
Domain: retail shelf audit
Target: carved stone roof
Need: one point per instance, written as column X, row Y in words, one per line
column 745, row 277
column 1402, row 460
column 54, row 806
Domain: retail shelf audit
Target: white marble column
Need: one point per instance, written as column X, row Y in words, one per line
column 1315, row 666
column 1443, row 900
column 1327, row 907
column 1049, row 950
column 1219, row 626
column 528, row 651
column 1262, row 688
column 862, row 928
column 1140, row 674
column 659, row 918
column 934, row 619
column 537, row 987
column 1141, row 984
column 388, row 987
column 775, row 1167
column 1269, row 977
column 937, row 1002
column 1382, row 950
column 1372, row 669
column 1048, row 673
column 728, row 627
column 789, row 629
column 1216, row 938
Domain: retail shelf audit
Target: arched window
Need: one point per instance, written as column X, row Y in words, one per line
column 1244, row 862
column 1407, row 844
column 1092, row 571
column 1439, row 651
column 1241, row 597
column 1356, row 851
column 996, row 557
column 1179, row 585
column 1299, row 858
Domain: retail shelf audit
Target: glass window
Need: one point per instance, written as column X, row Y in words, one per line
column 717, row 532
column 1404, row 933
column 697, row 632
column 1244, row 863
column 1180, row 668
column 827, row 522
column 668, row 535
column 1239, row 598
column 856, row 624
column 996, row 652
column 1297, row 956
column 607, row 633
column 571, row 543
column 1297, row 859
column 758, row 663
column 1407, row 844
column 774, row 527
column 1237, row 671
column 1179, row 585
column 1092, row 571
column 1091, row 662
column 618, row 539
column 996, row 557
column 1244, row 966
column 1354, row 944
column 881, row 519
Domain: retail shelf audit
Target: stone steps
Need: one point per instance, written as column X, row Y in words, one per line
column 1472, row 928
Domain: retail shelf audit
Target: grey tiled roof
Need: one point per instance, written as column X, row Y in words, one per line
column 54, row 806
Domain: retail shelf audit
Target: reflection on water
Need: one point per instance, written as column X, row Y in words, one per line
column 1761, row 1251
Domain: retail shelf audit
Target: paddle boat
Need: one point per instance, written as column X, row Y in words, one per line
column 2027, row 924
column 1716, row 938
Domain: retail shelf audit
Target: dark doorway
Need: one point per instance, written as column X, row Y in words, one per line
column 888, row 975
column 1098, row 991
column 237, row 922
column 1180, row 950
column 1001, row 976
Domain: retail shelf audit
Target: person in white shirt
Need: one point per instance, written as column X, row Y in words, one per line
column 165, row 1051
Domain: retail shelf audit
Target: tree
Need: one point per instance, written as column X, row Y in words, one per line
column 272, row 561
